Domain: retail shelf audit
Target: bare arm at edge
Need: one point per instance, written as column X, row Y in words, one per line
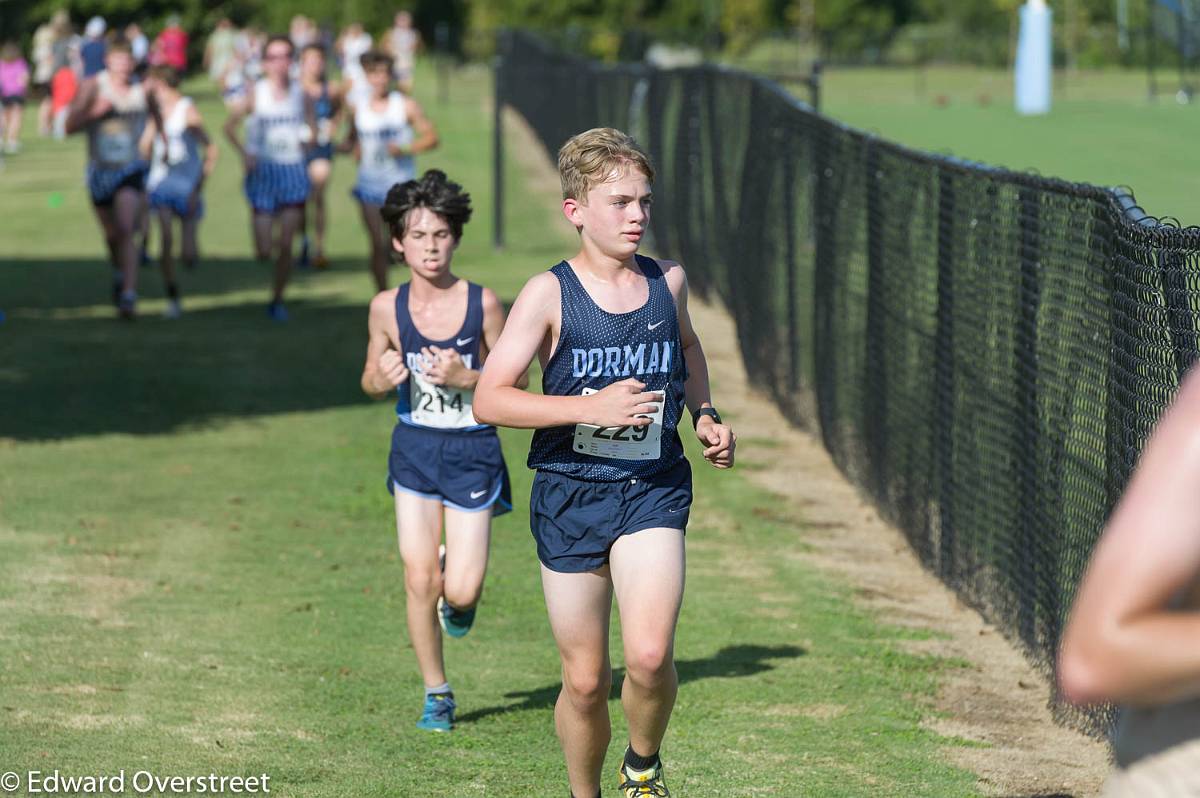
column 1125, row 641
column 718, row 439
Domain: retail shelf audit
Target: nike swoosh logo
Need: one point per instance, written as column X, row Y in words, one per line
column 652, row 326
column 465, row 341
column 475, row 494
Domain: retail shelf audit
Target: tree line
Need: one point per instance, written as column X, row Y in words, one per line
column 1087, row 32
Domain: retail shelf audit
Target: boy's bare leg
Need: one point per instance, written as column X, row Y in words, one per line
column 649, row 609
column 579, row 605
column 381, row 244
column 188, row 227
column 418, row 527
column 127, row 209
column 262, row 224
column 318, row 176
column 289, row 224
column 468, row 536
column 166, row 260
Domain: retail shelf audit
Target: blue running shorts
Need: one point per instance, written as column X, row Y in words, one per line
column 575, row 522
column 465, row 470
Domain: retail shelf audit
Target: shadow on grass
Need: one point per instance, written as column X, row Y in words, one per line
column 63, row 375
column 41, row 285
column 729, row 662
column 69, row 367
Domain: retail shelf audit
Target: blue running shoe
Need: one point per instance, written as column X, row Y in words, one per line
column 455, row 622
column 438, row 714
column 277, row 311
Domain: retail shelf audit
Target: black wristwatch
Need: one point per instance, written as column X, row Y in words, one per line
column 705, row 411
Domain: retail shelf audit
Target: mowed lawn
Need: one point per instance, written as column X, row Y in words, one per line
column 198, row 569
column 1102, row 129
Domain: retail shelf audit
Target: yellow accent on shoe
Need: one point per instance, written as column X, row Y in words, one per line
column 642, row 783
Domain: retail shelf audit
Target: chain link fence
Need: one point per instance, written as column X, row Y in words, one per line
column 982, row 351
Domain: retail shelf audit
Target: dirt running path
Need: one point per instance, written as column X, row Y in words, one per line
column 1001, row 701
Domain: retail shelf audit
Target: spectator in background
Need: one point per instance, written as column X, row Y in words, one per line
column 63, row 86
column 403, row 42
column 139, row 44
column 14, row 84
column 302, row 31
column 67, row 47
column 322, row 110
column 250, row 49
column 43, row 65
column 93, row 48
column 351, row 46
column 219, row 49
column 170, row 48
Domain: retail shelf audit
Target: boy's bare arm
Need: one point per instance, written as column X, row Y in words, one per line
column 426, row 136
column 499, row 401
column 493, row 326
column 697, row 393
column 718, row 439
column 1133, row 632
column 195, row 124
column 231, row 128
column 384, row 368
column 79, row 112
column 146, row 142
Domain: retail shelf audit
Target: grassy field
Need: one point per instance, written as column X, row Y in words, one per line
column 1102, row 129
column 199, row 573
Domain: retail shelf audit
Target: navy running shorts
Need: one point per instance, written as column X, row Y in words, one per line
column 272, row 187
column 103, row 184
column 321, row 152
column 575, row 522
column 464, row 470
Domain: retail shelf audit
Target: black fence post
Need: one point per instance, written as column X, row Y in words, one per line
column 1027, row 432
column 825, row 264
column 1119, row 454
column 793, row 289
column 944, row 398
column 498, row 153
column 1180, row 316
column 875, row 390
column 814, row 86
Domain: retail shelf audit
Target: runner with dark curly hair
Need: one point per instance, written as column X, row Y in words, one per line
column 427, row 341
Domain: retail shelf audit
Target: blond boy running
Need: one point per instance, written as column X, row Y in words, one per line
column 613, row 489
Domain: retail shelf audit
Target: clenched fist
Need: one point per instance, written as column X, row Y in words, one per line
column 392, row 369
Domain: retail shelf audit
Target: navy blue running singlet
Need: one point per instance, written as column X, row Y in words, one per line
column 597, row 348
column 421, row 403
